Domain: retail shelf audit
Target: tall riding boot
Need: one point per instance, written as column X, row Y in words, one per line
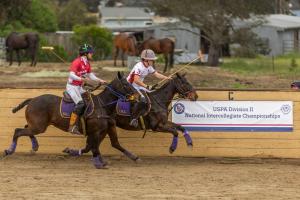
column 73, row 126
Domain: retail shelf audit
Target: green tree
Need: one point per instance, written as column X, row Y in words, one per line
column 40, row 17
column 74, row 13
column 214, row 18
column 12, row 10
column 99, row 38
column 22, row 15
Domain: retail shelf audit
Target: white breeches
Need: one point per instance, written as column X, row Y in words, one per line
column 75, row 92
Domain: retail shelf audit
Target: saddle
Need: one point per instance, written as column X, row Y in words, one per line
column 123, row 107
column 67, row 105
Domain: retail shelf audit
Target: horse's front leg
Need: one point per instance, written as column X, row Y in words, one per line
column 10, row 55
column 169, row 128
column 166, row 62
column 185, row 133
column 112, row 132
column 18, row 57
column 122, row 55
column 94, row 141
column 116, row 52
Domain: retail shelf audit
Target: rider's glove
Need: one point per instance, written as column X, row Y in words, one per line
column 151, row 87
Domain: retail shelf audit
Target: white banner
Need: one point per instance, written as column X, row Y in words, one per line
column 276, row 116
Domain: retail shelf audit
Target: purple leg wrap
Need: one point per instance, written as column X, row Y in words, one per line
column 97, row 162
column 188, row 138
column 34, row 144
column 11, row 149
column 174, row 144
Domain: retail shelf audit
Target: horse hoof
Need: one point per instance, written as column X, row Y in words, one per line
column 190, row 146
column 32, row 152
column 7, row 152
column 138, row 160
column 66, row 150
column 71, row 152
column 171, row 150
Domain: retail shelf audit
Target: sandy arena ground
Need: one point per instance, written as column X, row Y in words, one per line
column 43, row 176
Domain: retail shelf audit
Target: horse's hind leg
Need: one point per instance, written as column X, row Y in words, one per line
column 10, row 55
column 112, row 132
column 18, row 133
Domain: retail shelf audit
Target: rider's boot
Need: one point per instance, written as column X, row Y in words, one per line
column 73, row 126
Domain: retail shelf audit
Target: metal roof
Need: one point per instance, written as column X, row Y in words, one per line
column 282, row 21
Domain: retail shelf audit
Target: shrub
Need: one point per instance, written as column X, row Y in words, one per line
column 99, row 38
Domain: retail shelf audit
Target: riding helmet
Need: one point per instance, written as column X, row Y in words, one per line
column 148, row 54
column 85, row 49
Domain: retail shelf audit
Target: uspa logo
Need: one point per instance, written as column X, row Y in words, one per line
column 179, row 108
column 285, row 109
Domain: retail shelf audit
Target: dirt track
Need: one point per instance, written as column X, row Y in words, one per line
column 42, row 176
column 54, row 75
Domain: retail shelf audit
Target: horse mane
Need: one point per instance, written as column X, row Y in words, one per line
column 164, row 85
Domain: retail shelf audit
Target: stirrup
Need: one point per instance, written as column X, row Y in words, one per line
column 74, row 130
column 134, row 123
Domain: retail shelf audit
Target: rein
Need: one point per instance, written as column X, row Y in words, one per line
column 115, row 93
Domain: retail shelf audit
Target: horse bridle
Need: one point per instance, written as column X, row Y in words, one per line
column 181, row 92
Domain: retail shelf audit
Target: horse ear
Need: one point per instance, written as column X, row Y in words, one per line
column 178, row 75
column 120, row 75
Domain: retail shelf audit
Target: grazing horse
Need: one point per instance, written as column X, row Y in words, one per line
column 29, row 41
column 162, row 46
column 157, row 117
column 44, row 110
column 127, row 44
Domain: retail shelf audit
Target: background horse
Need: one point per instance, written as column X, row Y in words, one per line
column 157, row 118
column 44, row 110
column 16, row 42
column 127, row 44
column 162, row 46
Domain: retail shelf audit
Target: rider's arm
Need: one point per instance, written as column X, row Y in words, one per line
column 159, row 75
column 93, row 77
column 137, row 81
column 73, row 76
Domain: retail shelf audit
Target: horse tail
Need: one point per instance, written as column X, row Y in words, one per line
column 172, row 53
column 21, row 105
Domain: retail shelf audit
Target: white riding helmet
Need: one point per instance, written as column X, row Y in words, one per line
column 148, row 54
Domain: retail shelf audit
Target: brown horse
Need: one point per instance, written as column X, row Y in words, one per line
column 157, row 118
column 127, row 44
column 16, row 42
column 161, row 46
column 44, row 110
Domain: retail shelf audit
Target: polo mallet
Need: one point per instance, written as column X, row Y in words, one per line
column 51, row 49
column 198, row 57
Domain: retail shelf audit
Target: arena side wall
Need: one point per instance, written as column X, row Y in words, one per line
column 206, row 144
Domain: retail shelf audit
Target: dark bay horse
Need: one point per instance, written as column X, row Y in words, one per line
column 157, row 118
column 127, row 44
column 17, row 42
column 163, row 46
column 44, row 110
